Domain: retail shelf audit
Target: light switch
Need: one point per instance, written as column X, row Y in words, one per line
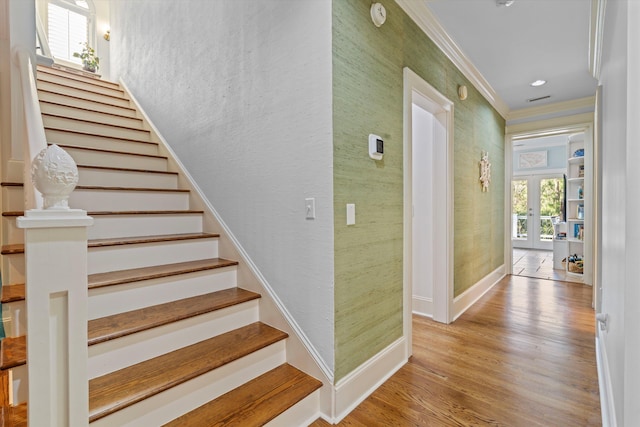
column 310, row 208
column 351, row 213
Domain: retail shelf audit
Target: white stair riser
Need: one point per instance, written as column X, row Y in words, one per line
column 12, row 198
column 63, row 137
column 113, row 226
column 125, row 257
column 13, row 268
column 115, row 299
column 96, row 128
column 74, row 74
column 111, row 200
column 12, row 234
column 127, row 200
column 14, row 318
column 119, row 353
column 109, row 159
column 77, row 83
column 93, row 116
column 107, row 108
column 127, row 179
column 19, row 380
column 172, row 403
column 89, row 96
column 303, row 413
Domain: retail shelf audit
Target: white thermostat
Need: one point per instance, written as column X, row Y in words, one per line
column 376, row 147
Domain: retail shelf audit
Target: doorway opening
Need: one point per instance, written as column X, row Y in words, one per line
column 428, row 203
column 551, row 215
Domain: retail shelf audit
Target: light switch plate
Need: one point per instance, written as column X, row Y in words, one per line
column 310, row 208
column 351, row 213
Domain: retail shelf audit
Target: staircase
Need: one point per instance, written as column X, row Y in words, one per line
column 172, row 339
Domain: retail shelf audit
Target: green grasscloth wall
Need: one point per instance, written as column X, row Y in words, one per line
column 368, row 67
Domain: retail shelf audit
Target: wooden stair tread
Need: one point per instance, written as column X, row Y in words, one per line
column 75, row 119
column 12, row 293
column 13, row 416
column 69, row 85
column 18, row 248
column 167, row 212
column 90, row 110
column 63, row 72
column 112, row 168
column 102, row 150
column 13, row 352
column 255, row 403
column 98, row 213
column 97, row 136
column 98, row 280
column 149, row 239
column 120, row 389
column 122, row 324
column 105, row 188
column 88, row 101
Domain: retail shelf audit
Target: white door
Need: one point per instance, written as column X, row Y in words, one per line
column 423, row 205
column 536, row 201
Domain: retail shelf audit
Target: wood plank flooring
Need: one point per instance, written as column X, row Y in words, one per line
column 524, row 355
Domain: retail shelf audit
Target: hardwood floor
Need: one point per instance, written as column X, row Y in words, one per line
column 524, row 355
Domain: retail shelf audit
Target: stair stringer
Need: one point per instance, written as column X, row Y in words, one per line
column 300, row 352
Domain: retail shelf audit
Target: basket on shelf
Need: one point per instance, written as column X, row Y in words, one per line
column 576, row 264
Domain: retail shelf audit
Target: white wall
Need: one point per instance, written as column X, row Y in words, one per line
column 242, row 91
column 632, row 290
column 620, row 205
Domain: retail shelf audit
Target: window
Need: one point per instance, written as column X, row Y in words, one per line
column 69, row 25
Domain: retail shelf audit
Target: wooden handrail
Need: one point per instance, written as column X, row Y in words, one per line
column 36, row 140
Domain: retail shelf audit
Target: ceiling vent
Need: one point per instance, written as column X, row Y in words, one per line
column 539, row 98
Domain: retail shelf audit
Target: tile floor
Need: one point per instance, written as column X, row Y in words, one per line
column 539, row 264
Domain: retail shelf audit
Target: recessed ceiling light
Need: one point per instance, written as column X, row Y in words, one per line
column 505, row 3
column 538, row 83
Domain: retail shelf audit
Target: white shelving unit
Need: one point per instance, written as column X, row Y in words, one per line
column 576, row 203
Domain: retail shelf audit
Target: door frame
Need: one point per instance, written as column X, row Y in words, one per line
column 442, row 109
column 536, row 129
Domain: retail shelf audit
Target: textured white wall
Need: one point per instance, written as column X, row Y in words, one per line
column 242, row 91
column 620, row 204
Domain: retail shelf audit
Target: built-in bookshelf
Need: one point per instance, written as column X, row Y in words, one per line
column 575, row 202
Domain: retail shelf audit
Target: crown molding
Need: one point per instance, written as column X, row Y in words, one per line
column 596, row 35
column 422, row 16
column 549, row 127
column 575, row 104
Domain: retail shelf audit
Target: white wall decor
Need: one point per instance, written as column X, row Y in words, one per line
column 534, row 159
column 485, row 171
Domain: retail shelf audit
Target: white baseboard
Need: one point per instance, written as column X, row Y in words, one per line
column 465, row 300
column 422, row 306
column 351, row 390
column 607, row 407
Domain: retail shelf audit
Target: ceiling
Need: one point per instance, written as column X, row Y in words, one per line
column 529, row 40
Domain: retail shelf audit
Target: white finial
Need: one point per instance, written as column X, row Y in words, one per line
column 55, row 175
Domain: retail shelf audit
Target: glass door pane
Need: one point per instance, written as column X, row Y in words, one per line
column 551, row 195
column 519, row 212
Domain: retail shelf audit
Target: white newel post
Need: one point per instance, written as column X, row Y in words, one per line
column 56, row 296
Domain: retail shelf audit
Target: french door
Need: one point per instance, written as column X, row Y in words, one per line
column 536, row 202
